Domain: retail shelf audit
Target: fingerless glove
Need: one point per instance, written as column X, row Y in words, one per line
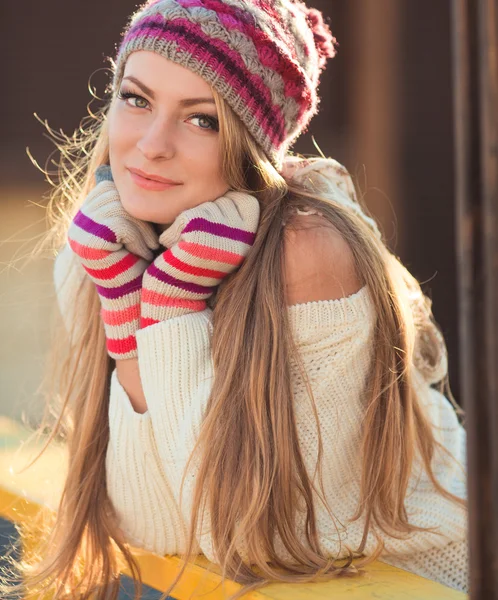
column 204, row 245
column 114, row 248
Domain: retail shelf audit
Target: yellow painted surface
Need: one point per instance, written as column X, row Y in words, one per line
column 23, row 494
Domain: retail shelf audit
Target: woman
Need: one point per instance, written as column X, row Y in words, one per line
column 251, row 374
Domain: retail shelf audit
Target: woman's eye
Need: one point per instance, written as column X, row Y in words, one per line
column 212, row 122
column 127, row 95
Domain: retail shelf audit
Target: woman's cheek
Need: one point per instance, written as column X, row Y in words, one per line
column 131, row 208
column 121, row 137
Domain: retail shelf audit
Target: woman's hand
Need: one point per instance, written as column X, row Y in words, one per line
column 204, row 245
column 104, row 206
column 114, row 248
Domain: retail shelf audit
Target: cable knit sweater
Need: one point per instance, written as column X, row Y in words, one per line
column 147, row 453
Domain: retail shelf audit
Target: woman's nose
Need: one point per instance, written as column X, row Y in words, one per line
column 157, row 141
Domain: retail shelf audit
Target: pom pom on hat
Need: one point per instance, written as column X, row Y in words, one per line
column 324, row 40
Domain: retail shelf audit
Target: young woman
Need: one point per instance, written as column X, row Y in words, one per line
column 249, row 373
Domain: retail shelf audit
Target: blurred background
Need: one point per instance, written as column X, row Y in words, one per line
column 386, row 114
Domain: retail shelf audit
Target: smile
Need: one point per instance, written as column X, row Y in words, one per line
column 150, row 184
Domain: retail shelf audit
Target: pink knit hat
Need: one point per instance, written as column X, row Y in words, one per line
column 264, row 57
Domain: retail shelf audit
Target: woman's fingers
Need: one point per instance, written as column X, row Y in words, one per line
column 139, row 237
column 245, row 206
column 170, row 236
column 104, row 206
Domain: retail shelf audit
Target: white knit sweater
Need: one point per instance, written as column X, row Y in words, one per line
column 147, row 452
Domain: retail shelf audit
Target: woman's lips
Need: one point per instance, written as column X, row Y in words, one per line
column 149, row 184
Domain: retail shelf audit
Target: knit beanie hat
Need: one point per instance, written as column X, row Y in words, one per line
column 264, row 57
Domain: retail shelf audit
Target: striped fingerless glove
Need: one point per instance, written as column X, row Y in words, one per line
column 204, row 245
column 114, row 248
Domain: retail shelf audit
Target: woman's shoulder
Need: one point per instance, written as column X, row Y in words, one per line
column 318, row 261
column 325, row 297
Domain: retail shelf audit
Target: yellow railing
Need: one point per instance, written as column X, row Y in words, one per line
column 22, row 494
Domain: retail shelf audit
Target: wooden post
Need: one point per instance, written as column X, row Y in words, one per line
column 374, row 98
column 475, row 68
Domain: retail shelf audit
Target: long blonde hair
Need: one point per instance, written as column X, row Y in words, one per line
column 252, row 476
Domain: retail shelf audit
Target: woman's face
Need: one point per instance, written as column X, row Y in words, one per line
column 164, row 124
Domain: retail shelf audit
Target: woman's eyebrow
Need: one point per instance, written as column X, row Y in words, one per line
column 184, row 102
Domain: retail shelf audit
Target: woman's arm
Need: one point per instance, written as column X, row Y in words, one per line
column 129, row 377
column 302, row 286
column 179, row 281
column 137, row 479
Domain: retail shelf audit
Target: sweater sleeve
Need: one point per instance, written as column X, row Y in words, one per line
column 447, row 565
column 176, row 370
column 447, row 560
column 68, row 276
column 136, row 479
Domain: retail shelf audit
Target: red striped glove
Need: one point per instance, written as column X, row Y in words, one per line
column 114, row 248
column 204, row 245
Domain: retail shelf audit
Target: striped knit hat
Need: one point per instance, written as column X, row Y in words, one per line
column 264, row 57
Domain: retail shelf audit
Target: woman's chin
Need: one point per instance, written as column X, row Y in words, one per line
column 143, row 215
